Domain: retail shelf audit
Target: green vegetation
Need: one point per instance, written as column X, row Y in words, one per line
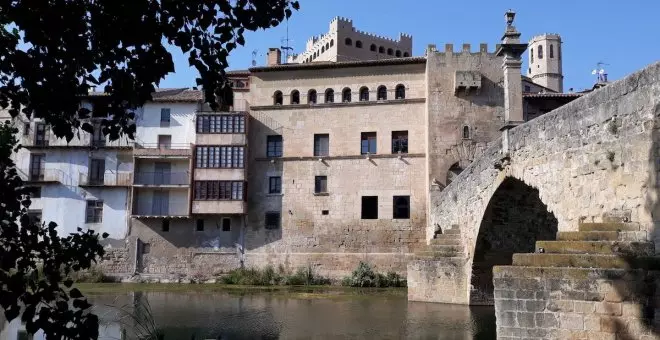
column 365, row 276
column 268, row 276
column 92, row 275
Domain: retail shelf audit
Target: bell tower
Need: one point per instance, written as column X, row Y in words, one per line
column 545, row 61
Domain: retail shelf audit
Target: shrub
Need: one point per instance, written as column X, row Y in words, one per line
column 365, row 276
column 92, row 275
column 268, row 276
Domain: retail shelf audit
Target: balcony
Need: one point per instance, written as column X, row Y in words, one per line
column 41, row 175
column 119, row 179
column 219, row 207
column 171, row 210
column 174, row 179
column 32, row 140
column 156, row 150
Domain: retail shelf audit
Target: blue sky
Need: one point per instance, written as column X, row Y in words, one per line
column 623, row 34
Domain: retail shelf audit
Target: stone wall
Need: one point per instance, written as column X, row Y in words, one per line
column 119, row 258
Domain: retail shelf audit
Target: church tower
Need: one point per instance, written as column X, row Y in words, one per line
column 545, row 61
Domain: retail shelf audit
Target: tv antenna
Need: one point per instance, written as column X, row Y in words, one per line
column 599, row 72
column 285, row 42
column 254, row 58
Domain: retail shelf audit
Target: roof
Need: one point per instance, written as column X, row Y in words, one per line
column 238, row 73
column 530, row 80
column 552, row 95
column 339, row 64
column 165, row 95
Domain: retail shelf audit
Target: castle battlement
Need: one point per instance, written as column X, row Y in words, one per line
column 466, row 48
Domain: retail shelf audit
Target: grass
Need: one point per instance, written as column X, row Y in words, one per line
column 268, row 276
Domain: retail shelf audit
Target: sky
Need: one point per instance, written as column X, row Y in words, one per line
column 624, row 35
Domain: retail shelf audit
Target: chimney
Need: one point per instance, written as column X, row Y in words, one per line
column 274, row 56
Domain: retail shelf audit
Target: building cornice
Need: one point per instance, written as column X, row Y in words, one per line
column 336, row 105
column 333, row 158
column 342, row 64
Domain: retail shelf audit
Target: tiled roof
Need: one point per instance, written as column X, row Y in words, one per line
column 238, row 72
column 166, row 95
column 552, row 95
column 342, row 64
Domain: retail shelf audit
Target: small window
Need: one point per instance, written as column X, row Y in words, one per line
column 540, row 50
column 381, row 94
column 325, row 212
column 332, row 42
column 400, row 141
column 277, row 98
column 466, row 132
column 329, row 96
column 322, row 49
column 559, row 51
column 200, row 224
column 390, row 51
column 368, row 143
column 348, row 41
column 358, row 44
column 320, row 184
column 295, row 97
column 273, row 220
column 531, row 56
column 34, row 216
column 26, row 129
column 94, row 211
column 406, row 54
column 226, row 224
column 369, row 207
column 274, row 146
column 381, row 49
column 372, row 48
column 346, row 95
column 364, row 94
column 397, row 54
column 311, row 97
column 321, row 144
column 401, row 207
column 400, row 92
column 327, row 46
column 165, row 225
column 164, row 141
column 275, row 185
column 165, row 117
column 552, row 51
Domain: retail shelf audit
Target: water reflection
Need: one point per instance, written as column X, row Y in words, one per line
column 221, row 315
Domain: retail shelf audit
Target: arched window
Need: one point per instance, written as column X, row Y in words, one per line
column 552, row 51
column 327, row 46
column 559, row 51
column 466, row 132
column 346, row 95
column 358, row 44
column 364, row 94
column 540, row 52
column 348, row 41
column 381, row 49
column 390, row 51
column 311, row 97
column 295, row 97
column 372, row 47
column 322, row 49
column 277, row 98
column 397, row 53
column 531, row 55
column 329, row 96
column 406, row 54
column 400, row 92
column 332, row 42
column 381, row 94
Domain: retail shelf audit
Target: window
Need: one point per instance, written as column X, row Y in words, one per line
column 401, row 207
column 406, row 54
column 358, row 44
column 466, row 132
column 164, row 117
column 34, row 216
column 558, row 51
column 322, row 49
column 346, row 95
column 397, row 53
column 381, row 93
column 164, row 141
column 277, row 98
column 41, row 135
column 26, row 129
column 219, row 190
column 275, row 185
column 94, row 213
column 311, row 97
column 348, row 41
column 369, row 207
column 165, row 225
column 552, row 51
column 320, row 184
column 531, row 55
column 226, row 224
column 400, row 141
column 327, row 46
column 372, row 48
column 96, row 171
column 400, row 92
column 295, row 97
column 98, row 139
column 37, row 166
column 274, row 146
column 221, row 123
column 364, row 94
column 368, row 143
column 329, row 96
column 220, row 157
column 381, row 49
column 325, row 212
column 390, row 51
column 272, row 220
column 321, row 144
column 332, row 42
column 540, row 49
column 200, row 225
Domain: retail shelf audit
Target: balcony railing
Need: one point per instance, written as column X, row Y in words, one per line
column 156, row 149
column 163, row 210
column 162, row 178
column 85, row 140
column 108, row 179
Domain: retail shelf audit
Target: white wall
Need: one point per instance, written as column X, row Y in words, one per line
column 182, row 123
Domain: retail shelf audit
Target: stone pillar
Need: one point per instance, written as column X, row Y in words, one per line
column 511, row 49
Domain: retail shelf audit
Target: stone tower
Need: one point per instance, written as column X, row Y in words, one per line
column 545, row 61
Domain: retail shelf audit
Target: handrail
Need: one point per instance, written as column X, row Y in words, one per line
column 168, row 146
column 162, row 178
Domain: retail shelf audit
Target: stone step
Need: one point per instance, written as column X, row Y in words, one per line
column 585, row 261
column 446, row 241
column 608, row 226
column 597, row 247
column 632, row 236
column 440, row 251
column 447, row 236
column 450, row 232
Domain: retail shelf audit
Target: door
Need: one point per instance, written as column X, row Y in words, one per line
column 162, row 173
column 164, row 141
column 37, row 165
column 41, row 135
column 161, row 203
column 97, row 171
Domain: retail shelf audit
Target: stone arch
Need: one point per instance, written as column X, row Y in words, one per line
column 277, row 98
column 513, row 220
column 397, row 53
column 358, row 44
column 390, row 51
column 372, row 48
column 406, row 54
column 453, row 171
column 381, row 49
column 348, row 41
column 295, row 97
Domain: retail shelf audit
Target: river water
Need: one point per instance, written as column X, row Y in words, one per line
column 276, row 315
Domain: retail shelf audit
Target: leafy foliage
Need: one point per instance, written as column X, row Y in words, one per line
column 268, row 276
column 53, row 52
column 365, row 276
column 35, row 261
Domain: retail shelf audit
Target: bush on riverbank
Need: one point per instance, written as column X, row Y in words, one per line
column 93, row 275
column 365, row 276
column 268, row 276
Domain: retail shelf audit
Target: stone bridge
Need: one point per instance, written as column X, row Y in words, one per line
column 587, row 174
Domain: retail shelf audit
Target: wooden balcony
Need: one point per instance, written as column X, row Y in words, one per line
column 154, row 150
column 219, row 207
column 114, row 179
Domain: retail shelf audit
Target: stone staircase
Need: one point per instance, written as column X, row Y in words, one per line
column 445, row 243
column 602, row 281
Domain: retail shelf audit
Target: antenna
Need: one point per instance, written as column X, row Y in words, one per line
column 599, row 72
column 285, row 43
column 254, row 58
